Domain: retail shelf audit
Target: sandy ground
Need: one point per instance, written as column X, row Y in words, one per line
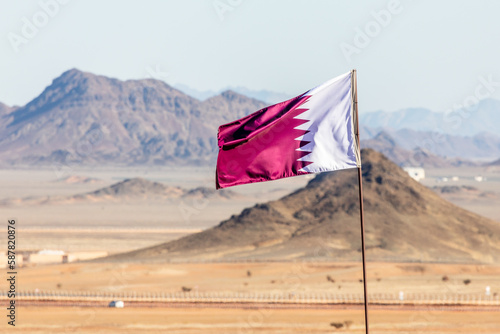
column 45, row 320
column 332, row 278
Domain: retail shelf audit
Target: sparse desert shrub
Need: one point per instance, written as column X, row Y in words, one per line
column 337, row 325
column 330, row 279
column 413, row 268
column 467, row 281
column 249, row 273
column 348, row 324
column 445, row 278
column 186, row 289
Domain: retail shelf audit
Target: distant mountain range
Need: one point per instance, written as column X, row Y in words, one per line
column 480, row 118
column 427, row 149
column 485, row 146
column 82, row 118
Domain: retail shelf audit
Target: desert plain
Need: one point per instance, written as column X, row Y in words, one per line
column 48, row 217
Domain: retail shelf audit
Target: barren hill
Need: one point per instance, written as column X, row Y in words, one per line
column 137, row 187
column 70, row 179
column 405, row 221
column 134, row 189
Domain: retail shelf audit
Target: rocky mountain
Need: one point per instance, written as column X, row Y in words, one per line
column 405, row 221
column 86, row 118
column 480, row 118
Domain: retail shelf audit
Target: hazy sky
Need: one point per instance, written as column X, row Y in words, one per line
column 418, row 54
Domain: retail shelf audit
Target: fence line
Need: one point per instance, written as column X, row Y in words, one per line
column 238, row 297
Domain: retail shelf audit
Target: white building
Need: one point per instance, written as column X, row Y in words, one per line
column 117, row 304
column 417, row 173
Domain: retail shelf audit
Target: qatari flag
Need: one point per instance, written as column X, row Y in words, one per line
column 313, row 132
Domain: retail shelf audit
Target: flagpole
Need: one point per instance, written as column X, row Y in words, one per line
column 360, row 182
